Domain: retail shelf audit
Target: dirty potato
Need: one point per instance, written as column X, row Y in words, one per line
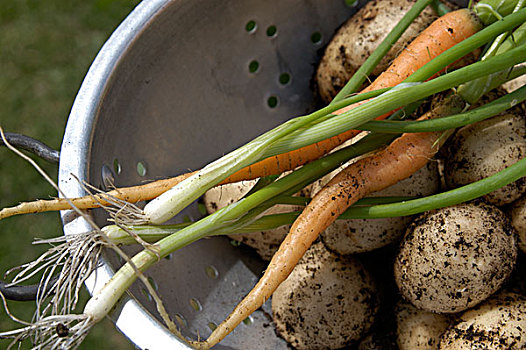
column 484, row 148
column 454, row 258
column 419, row 329
column 498, row 323
column 327, row 302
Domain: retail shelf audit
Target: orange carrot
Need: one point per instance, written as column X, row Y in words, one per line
column 398, row 161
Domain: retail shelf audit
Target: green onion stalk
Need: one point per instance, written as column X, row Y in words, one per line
column 154, row 233
column 450, row 122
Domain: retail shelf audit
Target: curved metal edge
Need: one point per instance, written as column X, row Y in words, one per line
column 137, row 324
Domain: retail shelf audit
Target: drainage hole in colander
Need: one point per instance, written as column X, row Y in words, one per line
column 211, row 272
column 251, row 27
column 272, row 31
column 253, row 66
column 154, row 284
column 195, row 304
column 316, row 38
column 117, row 166
column 248, row 321
column 235, row 243
column 145, row 292
column 181, row 321
column 273, row 101
column 284, row 78
column 351, row 3
column 212, row 326
column 141, row 169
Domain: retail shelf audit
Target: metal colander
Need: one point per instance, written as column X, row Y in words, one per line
column 177, row 85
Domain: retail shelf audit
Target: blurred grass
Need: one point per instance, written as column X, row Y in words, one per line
column 46, row 48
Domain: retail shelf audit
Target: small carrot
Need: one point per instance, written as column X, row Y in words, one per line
column 131, row 194
column 398, row 161
column 442, row 34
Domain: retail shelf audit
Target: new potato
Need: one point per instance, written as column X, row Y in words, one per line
column 419, row 329
column 498, row 323
column 327, row 302
column 484, row 148
column 454, row 258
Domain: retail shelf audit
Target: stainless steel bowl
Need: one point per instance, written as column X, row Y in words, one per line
column 177, row 85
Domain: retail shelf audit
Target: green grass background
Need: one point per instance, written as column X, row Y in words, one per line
column 46, row 48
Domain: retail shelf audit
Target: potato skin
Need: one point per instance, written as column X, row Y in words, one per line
column 517, row 214
column 498, row 323
column 266, row 243
column 358, row 38
column 221, row 196
column 419, row 329
column 327, row 302
column 453, row 258
column 484, row 148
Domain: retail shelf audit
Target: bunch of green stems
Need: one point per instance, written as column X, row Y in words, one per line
column 368, row 208
column 246, row 214
column 243, row 212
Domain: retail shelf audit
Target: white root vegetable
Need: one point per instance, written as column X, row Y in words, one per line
column 454, row 258
column 327, row 302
